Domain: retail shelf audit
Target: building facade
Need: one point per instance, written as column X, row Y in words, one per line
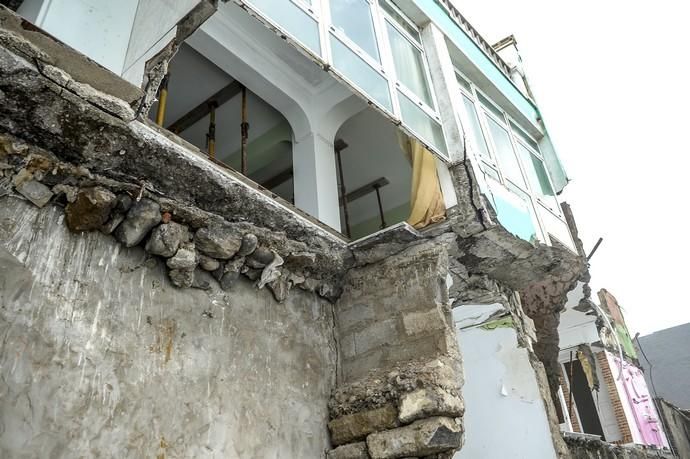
column 286, row 229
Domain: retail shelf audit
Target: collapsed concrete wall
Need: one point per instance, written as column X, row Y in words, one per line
column 102, row 356
column 589, row 448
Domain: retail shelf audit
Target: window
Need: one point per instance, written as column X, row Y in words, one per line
column 296, row 20
column 353, row 18
column 503, row 148
column 510, row 157
column 411, row 75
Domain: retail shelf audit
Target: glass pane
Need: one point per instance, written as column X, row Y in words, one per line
column 392, row 12
column 556, row 228
column 523, row 135
column 464, row 83
column 490, row 106
column 361, row 74
column 424, row 126
column 476, row 134
column 537, row 176
column 295, row 21
column 409, row 65
column 507, row 160
column 353, row 18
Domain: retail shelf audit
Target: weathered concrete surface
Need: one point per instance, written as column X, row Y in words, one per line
column 581, row 448
column 101, row 357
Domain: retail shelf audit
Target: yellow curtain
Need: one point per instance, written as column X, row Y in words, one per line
column 426, row 199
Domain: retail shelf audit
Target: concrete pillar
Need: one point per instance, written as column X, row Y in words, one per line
column 315, row 182
column 446, row 89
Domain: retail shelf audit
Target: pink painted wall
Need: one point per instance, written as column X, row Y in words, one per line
column 638, row 404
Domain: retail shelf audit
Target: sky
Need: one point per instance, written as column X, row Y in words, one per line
column 611, row 78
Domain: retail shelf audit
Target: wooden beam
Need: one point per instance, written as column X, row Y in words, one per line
column 277, row 179
column 366, row 189
column 203, row 108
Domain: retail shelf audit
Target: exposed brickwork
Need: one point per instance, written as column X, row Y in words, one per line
column 610, row 383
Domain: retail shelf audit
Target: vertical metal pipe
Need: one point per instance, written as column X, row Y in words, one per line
column 212, row 130
column 570, row 387
column 162, row 100
column 378, row 198
column 244, row 130
column 340, row 145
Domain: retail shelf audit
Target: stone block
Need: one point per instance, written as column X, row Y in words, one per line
column 351, row 451
column 377, row 334
column 424, row 403
column 90, row 210
column 218, row 241
column 421, row 438
column 422, row 322
column 141, row 218
column 166, row 239
column 36, row 192
column 356, row 426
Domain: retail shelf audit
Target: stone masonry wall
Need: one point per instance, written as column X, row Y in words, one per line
column 398, row 392
column 100, row 356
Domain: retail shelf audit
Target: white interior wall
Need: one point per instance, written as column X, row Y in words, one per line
column 100, row 29
column 505, row 416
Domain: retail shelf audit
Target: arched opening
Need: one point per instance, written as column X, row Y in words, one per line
column 375, row 173
column 207, row 107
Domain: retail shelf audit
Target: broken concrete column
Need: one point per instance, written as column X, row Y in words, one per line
column 399, row 357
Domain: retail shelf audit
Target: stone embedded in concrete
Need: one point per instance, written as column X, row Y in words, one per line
column 70, row 192
column 185, row 257
column 207, row 263
column 421, row 438
column 90, row 210
column 230, row 273
column 141, row 218
column 423, row 322
column 280, row 288
column 109, row 226
column 424, row 403
column 218, row 241
column 124, row 203
column 259, row 258
column 351, row 451
column 354, row 427
column 249, row 243
column 183, row 278
column 166, row 238
column 35, row 191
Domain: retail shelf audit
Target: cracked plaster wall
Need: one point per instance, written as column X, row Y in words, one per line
column 100, row 356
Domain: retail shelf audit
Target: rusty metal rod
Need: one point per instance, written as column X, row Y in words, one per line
column 340, row 145
column 378, row 198
column 162, row 100
column 244, row 130
column 212, row 129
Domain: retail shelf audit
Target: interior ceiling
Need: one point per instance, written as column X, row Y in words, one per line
column 373, row 151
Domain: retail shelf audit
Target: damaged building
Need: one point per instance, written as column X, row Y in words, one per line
column 278, row 229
